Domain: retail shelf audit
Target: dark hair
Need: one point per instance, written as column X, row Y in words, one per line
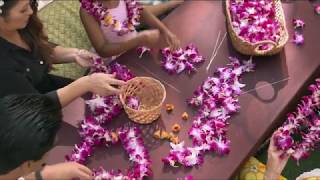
column 33, row 33
column 28, row 127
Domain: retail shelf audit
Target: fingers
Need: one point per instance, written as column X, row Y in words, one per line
column 83, row 175
column 116, row 82
column 85, row 169
column 112, row 90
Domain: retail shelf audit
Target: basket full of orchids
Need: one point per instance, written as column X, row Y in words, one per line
column 256, row 27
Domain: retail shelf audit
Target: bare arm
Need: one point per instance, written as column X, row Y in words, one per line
column 97, row 83
column 63, row 55
column 150, row 19
column 100, row 44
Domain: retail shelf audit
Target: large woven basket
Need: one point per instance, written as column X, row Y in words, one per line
column 151, row 94
column 248, row 48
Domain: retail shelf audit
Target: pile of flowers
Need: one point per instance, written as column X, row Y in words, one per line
column 175, row 62
column 93, row 133
column 102, row 14
column 301, row 131
column 217, row 100
column 255, row 20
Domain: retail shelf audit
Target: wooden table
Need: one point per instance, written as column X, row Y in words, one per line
column 269, row 94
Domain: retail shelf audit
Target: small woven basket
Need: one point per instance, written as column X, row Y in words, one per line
column 248, row 48
column 151, row 94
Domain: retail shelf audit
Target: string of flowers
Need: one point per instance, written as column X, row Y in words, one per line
column 255, row 20
column 138, row 155
column 102, row 14
column 92, row 132
column 217, row 100
column 300, row 133
column 175, row 62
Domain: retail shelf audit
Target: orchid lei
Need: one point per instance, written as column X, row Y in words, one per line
column 132, row 141
column 96, row 9
column 254, row 20
column 92, row 132
column 217, row 100
column 301, row 131
column 175, row 62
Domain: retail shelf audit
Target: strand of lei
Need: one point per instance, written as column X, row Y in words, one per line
column 217, row 100
column 92, row 132
column 101, row 14
column 300, row 133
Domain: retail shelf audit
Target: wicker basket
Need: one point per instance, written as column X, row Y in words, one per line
column 248, row 48
column 151, row 94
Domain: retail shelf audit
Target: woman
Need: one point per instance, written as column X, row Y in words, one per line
column 28, row 128
column 26, row 58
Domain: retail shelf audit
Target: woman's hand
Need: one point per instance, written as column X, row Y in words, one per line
column 172, row 40
column 103, row 84
column 84, row 58
column 277, row 160
column 68, row 170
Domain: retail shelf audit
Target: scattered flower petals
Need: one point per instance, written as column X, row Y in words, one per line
column 157, row 134
column 186, row 178
column 161, row 134
column 142, row 50
column 298, row 24
column 185, row 116
column 176, row 128
column 174, row 139
column 298, row 38
column 169, row 107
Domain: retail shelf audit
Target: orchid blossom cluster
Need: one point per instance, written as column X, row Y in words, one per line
column 301, row 131
column 132, row 142
column 133, row 102
column 175, row 62
column 102, row 14
column 217, row 100
column 298, row 38
column 92, row 132
column 255, row 21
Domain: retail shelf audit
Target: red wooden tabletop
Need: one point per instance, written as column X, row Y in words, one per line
column 270, row 91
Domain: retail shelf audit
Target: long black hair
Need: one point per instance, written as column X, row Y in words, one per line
column 28, row 127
